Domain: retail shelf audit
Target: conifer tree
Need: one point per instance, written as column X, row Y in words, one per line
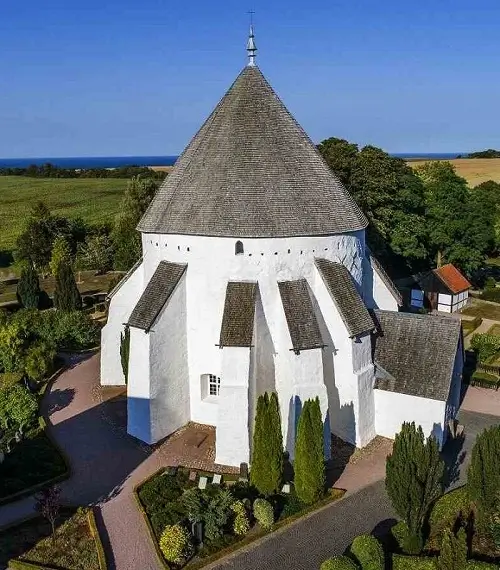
column 309, row 465
column 61, row 253
column 258, row 465
column 66, row 295
column 483, row 477
column 125, row 351
column 28, row 288
column 414, row 479
column 275, row 444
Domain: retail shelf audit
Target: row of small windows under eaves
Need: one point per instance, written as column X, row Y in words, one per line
column 238, row 248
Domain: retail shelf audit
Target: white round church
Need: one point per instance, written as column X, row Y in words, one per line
column 255, row 277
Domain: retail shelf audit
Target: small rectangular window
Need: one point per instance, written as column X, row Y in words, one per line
column 213, row 385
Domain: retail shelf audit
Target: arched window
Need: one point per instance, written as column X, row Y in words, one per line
column 238, row 248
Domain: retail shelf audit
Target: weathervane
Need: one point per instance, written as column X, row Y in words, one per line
column 251, row 47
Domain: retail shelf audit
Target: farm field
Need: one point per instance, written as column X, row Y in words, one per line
column 93, row 199
column 474, row 170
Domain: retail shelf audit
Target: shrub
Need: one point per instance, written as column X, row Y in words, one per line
column 484, row 379
column 490, row 283
column 368, row 552
column 408, row 542
column 18, row 406
column 175, row 544
column 212, row 506
column 309, row 465
column 452, row 507
column 453, row 553
column 161, row 491
column 478, row 565
column 338, row 563
column 414, row 480
column 172, row 514
column 28, row 288
column 263, row 513
column 39, row 360
column 485, row 345
column 61, row 253
column 292, row 506
column 412, row 562
column 491, row 295
column 483, row 476
column 68, row 330
column 241, row 524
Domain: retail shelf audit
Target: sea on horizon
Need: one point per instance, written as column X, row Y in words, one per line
column 119, row 161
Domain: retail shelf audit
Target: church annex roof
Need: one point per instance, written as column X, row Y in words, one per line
column 300, row 316
column 238, row 316
column 251, row 171
column 388, row 282
column 416, row 353
column 348, row 301
column 156, row 294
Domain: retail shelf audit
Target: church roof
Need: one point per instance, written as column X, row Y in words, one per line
column 388, row 282
column 156, row 294
column 251, row 171
column 415, row 353
column 348, row 301
column 300, row 317
column 238, row 316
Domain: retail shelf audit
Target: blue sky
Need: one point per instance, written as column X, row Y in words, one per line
column 130, row 77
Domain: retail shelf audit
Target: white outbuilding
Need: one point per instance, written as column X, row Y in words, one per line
column 255, row 276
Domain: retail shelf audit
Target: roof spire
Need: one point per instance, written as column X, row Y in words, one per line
column 251, row 47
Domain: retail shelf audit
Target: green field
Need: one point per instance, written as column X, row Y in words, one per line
column 93, row 199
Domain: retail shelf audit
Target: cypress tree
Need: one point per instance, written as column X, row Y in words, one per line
column 309, row 465
column 414, row 479
column 28, row 288
column 275, row 444
column 66, row 294
column 125, row 351
column 483, row 476
column 258, row 475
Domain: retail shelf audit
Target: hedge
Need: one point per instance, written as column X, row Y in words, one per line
column 400, row 562
column 22, row 565
column 485, row 380
column 491, row 295
column 478, row 565
column 447, row 509
column 97, row 539
column 368, row 552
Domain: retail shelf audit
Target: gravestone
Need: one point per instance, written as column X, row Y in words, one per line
column 217, row 479
column 192, row 475
column 243, row 472
column 286, row 489
column 202, row 484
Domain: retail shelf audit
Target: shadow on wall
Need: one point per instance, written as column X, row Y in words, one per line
column 437, row 432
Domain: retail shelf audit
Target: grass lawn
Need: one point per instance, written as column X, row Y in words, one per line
column 74, row 547
column 495, row 329
column 479, row 308
column 93, row 199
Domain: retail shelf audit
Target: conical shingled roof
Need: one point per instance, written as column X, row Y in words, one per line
column 251, row 171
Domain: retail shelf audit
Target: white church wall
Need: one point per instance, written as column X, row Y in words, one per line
column 376, row 294
column 392, row 409
column 349, row 395
column 453, row 402
column 232, row 441
column 139, row 420
column 121, row 305
column 169, row 374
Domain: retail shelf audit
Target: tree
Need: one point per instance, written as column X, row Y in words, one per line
column 266, row 472
column 414, row 479
column 61, row 253
column 97, row 253
column 453, row 553
column 368, row 552
column 483, row 476
column 18, row 406
column 66, row 294
column 309, row 465
column 388, row 192
column 126, row 239
column 28, row 287
column 125, row 351
column 39, row 360
column 454, row 234
column 48, row 505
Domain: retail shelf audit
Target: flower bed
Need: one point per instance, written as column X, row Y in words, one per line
column 29, row 545
column 169, row 499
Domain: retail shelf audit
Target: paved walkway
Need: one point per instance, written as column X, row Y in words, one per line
column 482, row 401
column 484, row 327
column 89, row 424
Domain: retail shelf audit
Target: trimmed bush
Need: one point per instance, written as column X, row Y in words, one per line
column 447, row 511
column 338, row 563
column 478, row 565
column 453, row 553
column 368, row 552
column 484, row 380
column 309, row 465
column 491, row 295
column 412, row 563
column 409, row 543
column 175, row 544
column 263, row 513
column 485, row 345
column 241, row 524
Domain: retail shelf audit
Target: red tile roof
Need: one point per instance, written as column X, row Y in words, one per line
column 452, row 278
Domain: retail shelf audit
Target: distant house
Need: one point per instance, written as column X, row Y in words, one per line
column 444, row 289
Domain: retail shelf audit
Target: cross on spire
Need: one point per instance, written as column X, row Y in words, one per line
column 251, row 47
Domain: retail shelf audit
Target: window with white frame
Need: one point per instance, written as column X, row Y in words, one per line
column 210, row 386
